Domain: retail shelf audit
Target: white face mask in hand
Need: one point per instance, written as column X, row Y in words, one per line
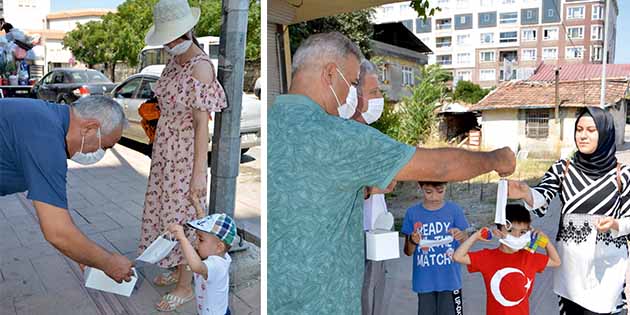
column 374, row 111
column 350, row 106
column 92, row 157
column 516, row 243
column 179, row 48
column 158, row 249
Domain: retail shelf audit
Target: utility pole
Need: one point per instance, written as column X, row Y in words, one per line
column 226, row 139
column 602, row 97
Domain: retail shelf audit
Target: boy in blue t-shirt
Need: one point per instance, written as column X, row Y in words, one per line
column 434, row 229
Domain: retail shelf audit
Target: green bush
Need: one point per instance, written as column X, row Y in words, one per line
column 469, row 92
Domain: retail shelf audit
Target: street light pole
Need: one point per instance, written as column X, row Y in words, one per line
column 226, row 139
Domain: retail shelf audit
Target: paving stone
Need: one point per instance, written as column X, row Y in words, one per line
column 65, row 302
column 55, row 273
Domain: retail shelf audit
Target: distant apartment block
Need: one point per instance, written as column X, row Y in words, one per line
column 490, row 41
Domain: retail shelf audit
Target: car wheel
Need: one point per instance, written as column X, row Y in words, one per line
column 243, row 151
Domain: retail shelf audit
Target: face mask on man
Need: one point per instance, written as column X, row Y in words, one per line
column 92, row 157
column 350, row 106
column 516, row 243
column 374, row 111
column 179, row 48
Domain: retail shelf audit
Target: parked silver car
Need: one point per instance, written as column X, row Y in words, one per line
column 136, row 89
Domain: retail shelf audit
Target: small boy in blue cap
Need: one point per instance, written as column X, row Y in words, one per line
column 209, row 260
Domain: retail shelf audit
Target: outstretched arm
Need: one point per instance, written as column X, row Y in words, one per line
column 193, row 259
column 450, row 164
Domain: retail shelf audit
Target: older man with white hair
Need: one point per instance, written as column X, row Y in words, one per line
column 36, row 139
column 318, row 165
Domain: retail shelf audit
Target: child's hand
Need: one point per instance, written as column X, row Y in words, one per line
column 415, row 237
column 177, row 230
column 457, row 234
column 480, row 237
column 604, row 224
column 538, row 232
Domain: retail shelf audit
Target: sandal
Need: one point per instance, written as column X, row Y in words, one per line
column 173, row 301
column 165, row 279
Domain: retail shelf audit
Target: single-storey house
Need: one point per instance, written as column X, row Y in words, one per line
column 521, row 114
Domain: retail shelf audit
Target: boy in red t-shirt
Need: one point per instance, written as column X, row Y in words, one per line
column 509, row 270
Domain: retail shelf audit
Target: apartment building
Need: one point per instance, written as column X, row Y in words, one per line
column 490, row 41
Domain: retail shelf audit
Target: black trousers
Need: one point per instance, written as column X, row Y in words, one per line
column 568, row 307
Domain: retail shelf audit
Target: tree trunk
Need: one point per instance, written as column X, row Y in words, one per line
column 113, row 71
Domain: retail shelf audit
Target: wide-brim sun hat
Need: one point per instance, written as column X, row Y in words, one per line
column 171, row 19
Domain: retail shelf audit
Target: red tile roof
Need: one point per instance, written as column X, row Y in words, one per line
column 575, row 72
column 529, row 94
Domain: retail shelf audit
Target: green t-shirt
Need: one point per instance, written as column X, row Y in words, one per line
column 318, row 165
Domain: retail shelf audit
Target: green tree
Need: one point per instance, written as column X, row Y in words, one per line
column 417, row 112
column 356, row 25
column 469, row 92
column 423, row 8
column 88, row 43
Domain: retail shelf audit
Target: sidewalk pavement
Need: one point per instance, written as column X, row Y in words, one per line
column 105, row 202
column 401, row 300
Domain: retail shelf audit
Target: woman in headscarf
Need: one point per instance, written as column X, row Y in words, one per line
column 187, row 92
column 595, row 217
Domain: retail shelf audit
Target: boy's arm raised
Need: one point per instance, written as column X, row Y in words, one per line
column 461, row 254
column 193, row 259
column 554, row 257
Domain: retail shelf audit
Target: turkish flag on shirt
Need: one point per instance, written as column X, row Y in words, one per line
column 509, row 278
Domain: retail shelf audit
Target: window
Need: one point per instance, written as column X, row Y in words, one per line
column 388, row 10
column 550, row 13
column 404, row 7
column 550, row 53
column 487, row 38
column 407, row 76
column 486, row 56
column 575, row 13
column 463, row 58
column 575, row 32
column 575, row 53
column 508, row 37
column 550, row 34
column 598, row 12
column 443, row 42
column 508, row 1
column 146, row 89
column 463, row 39
column 127, row 90
column 486, row 3
column 529, row 35
column 463, row 75
column 508, row 18
column 597, row 32
column 408, row 24
column 487, row 75
column 530, row 15
column 383, row 74
column 444, row 60
column 462, row 3
column 443, row 24
column 537, row 124
column 528, row 54
column 596, row 53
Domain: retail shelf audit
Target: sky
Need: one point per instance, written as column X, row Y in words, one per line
column 622, row 51
column 61, row 5
column 623, row 20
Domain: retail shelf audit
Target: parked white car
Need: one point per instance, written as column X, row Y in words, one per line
column 136, row 89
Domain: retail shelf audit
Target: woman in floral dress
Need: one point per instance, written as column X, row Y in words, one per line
column 187, row 92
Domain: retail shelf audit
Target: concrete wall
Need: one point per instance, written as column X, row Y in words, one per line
column 69, row 24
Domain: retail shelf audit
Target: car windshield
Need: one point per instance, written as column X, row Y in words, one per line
column 89, row 77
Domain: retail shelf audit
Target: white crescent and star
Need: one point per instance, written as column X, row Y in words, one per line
column 495, row 286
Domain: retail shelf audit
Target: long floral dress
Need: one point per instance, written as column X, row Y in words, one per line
column 172, row 159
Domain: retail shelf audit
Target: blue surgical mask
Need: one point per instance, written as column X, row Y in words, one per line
column 92, row 157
